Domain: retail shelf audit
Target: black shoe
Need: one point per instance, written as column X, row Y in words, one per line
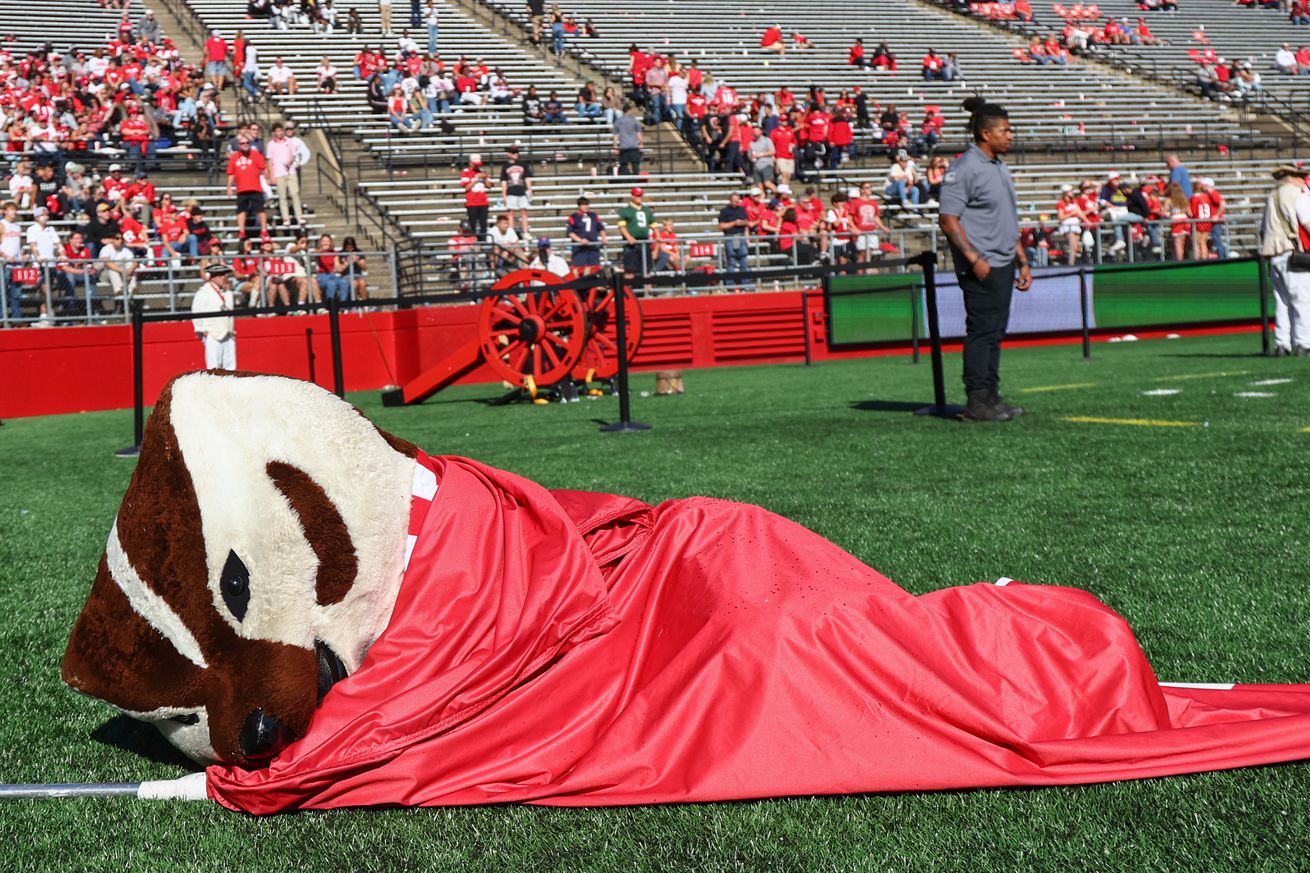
column 981, row 409
column 1302, row 353
column 1281, row 352
column 996, row 401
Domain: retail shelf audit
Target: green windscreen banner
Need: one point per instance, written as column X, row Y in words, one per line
column 873, row 309
column 1188, row 294
column 864, row 310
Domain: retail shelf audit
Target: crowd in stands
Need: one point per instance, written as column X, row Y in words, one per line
column 135, row 94
column 1139, row 212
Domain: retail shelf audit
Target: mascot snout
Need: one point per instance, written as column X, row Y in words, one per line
column 255, row 558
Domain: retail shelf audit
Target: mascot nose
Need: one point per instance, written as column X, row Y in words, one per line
column 263, row 736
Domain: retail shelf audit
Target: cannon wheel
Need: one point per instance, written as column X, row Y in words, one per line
column 600, row 358
column 530, row 335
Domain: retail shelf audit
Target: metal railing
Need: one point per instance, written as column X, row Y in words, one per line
column 102, row 290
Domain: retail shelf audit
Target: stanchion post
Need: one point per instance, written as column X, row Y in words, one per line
column 1262, row 264
column 1085, row 309
column 334, row 327
column 914, row 322
column 138, row 384
column 625, row 424
column 928, row 262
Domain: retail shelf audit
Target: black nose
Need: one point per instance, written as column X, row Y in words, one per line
column 263, row 736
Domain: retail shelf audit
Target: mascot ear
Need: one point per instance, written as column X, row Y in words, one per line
column 324, row 528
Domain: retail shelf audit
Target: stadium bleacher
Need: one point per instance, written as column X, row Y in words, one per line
column 1074, row 122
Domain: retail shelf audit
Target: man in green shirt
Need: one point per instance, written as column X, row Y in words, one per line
column 635, row 223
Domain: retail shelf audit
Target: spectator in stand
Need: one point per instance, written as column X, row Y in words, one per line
column 903, row 182
column 1142, row 210
column 473, row 179
column 247, row 277
column 281, row 78
column 933, row 176
column 75, row 276
column 841, row 139
column 532, row 111
column 549, row 261
column 1299, row 12
column 119, row 266
column 148, row 29
column 516, row 189
column 11, row 250
column 784, row 151
column 505, row 251
column 43, row 251
column 354, row 268
column 216, row 52
column 245, row 171
column 586, row 231
column 1285, row 60
column 327, row 77
column 295, row 272
column 934, row 67
column 1218, row 214
column 1071, row 217
column 276, row 269
column 734, row 223
column 1180, row 213
column 384, row 17
column 398, row 110
column 1178, row 174
column 636, row 221
column 432, row 21
column 761, row 153
column 537, row 15
column 553, row 110
column 1201, row 209
column 657, row 80
column 327, row 271
column 772, row 41
column 883, row 59
column 676, row 89
column 588, row 106
column 868, row 224
column 855, row 57
column 556, row 31
column 283, row 161
column 22, row 189
column 628, row 142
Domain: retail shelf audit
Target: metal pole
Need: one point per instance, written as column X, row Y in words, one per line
column 625, row 424
column 334, row 326
column 1082, row 304
column 939, row 408
column 1262, row 264
column 914, row 322
column 138, row 384
column 309, row 348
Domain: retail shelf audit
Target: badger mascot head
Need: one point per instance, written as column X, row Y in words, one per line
column 256, row 556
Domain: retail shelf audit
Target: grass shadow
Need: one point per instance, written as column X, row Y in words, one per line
column 890, row 405
column 139, row 738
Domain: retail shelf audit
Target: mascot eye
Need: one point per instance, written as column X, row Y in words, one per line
column 189, row 718
column 234, row 585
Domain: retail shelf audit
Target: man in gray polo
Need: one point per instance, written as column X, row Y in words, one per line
column 979, row 216
column 628, row 142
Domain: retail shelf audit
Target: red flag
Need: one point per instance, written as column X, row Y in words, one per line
column 579, row 649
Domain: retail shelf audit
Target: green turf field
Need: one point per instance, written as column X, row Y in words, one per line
column 1197, row 534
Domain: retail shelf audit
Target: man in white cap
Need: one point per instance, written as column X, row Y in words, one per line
column 1283, row 236
column 148, row 29
column 215, row 327
column 1218, row 211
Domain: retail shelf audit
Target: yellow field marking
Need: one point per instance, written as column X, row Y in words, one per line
column 1134, row 422
column 1305, row 430
column 1071, row 387
column 1213, row 375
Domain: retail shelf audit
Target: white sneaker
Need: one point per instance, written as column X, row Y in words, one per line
column 1119, row 245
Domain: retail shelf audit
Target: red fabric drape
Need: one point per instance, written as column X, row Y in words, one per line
column 578, row 649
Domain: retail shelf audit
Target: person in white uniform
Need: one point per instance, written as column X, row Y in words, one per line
column 215, row 327
column 1284, row 232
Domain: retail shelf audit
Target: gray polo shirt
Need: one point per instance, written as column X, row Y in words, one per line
column 980, row 192
column 627, row 128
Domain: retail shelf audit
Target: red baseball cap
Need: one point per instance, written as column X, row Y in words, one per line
column 637, row 192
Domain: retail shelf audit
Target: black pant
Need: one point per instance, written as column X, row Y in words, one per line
column 986, row 314
column 629, row 162
column 477, row 219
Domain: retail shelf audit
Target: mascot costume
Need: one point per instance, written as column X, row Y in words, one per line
column 327, row 616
